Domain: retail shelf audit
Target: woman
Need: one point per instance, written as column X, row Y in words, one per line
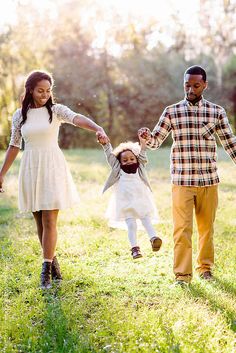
column 45, row 182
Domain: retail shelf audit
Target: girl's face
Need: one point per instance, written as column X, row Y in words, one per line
column 41, row 93
column 127, row 157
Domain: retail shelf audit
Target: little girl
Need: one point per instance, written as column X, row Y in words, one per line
column 132, row 197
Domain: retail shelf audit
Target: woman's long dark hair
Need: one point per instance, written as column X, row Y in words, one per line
column 31, row 82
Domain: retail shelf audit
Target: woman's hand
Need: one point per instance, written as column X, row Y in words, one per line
column 102, row 137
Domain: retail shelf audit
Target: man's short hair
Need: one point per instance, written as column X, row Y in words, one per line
column 196, row 70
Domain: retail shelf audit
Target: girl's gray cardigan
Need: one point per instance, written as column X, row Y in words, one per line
column 115, row 167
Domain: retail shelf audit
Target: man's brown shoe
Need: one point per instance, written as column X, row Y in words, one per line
column 156, row 243
column 181, row 283
column 207, row 275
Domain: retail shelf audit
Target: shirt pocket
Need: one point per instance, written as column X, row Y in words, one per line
column 208, row 130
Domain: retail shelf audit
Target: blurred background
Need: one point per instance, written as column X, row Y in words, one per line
column 120, row 62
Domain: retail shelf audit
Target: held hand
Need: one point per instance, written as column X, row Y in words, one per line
column 1, row 184
column 144, row 133
column 142, row 141
column 102, row 138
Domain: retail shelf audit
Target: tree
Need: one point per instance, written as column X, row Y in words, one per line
column 218, row 34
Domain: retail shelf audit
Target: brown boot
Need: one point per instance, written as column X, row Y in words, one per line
column 207, row 275
column 56, row 273
column 46, row 275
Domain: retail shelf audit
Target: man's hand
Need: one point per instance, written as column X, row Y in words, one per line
column 144, row 133
column 142, row 142
column 102, row 138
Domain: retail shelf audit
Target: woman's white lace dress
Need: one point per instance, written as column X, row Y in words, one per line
column 45, row 182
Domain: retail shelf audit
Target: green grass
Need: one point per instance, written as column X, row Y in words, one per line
column 107, row 302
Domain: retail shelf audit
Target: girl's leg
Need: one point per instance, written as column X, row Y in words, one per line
column 155, row 241
column 132, row 231
column 132, row 235
column 146, row 222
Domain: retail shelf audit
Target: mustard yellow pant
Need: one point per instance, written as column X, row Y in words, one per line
column 184, row 200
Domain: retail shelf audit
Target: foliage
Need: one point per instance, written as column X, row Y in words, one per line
column 124, row 82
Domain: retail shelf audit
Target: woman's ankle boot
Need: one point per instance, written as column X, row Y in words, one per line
column 46, row 275
column 56, row 272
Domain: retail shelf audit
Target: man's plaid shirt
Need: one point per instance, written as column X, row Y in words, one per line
column 193, row 154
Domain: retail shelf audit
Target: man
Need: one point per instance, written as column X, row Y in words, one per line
column 193, row 122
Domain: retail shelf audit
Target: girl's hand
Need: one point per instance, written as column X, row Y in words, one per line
column 144, row 133
column 102, row 138
column 1, row 184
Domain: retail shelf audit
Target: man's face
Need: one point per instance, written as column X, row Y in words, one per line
column 193, row 86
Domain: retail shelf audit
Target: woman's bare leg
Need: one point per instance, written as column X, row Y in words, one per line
column 46, row 222
column 49, row 235
column 38, row 220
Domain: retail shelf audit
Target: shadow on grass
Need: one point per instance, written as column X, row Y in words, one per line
column 58, row 335
column 225, row 285
column 213, row 300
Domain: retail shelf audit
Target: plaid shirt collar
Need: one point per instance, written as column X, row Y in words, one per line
column 190, row 104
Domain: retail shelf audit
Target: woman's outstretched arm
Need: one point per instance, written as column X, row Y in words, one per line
column 88, row 124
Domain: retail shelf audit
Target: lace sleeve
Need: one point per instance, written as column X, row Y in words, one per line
column 16, row 137
column 63, row 113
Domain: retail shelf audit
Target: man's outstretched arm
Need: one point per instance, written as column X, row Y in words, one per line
column 160, row 132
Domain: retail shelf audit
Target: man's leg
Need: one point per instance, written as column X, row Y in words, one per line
column 182, row 208
column 205, row 209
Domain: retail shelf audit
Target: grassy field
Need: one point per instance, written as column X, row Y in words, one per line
column 108, row 302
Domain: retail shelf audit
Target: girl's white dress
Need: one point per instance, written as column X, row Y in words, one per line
column 45, row 182
column 131, row 198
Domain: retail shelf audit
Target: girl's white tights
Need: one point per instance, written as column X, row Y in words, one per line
column 132, row 229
